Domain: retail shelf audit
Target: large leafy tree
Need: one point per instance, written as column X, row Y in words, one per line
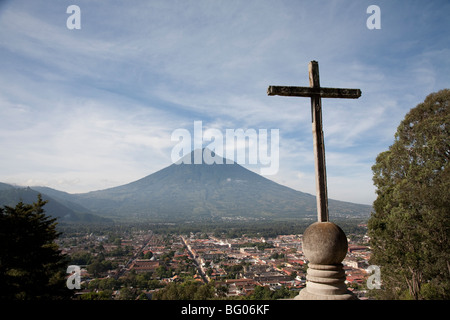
column 31, row 264
column 409, row 228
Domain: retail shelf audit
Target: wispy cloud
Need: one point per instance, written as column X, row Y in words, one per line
column 93, row 108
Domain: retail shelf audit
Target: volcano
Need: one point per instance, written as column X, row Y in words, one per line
column 197, row 191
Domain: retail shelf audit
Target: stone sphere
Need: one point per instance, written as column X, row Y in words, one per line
column 324, row 243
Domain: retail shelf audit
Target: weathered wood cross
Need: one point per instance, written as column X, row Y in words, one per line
column 316, row 93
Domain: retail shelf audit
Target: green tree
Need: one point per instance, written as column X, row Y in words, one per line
column 148, row 255
column 81, row 258
column 265, row 293
column 128, row 294
column 409, row 228
column 31, row 264
column 102, row 295
column 103, row 284
column 190, row 290
column 261, row 293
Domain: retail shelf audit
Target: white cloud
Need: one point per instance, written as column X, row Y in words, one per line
column 96, row 107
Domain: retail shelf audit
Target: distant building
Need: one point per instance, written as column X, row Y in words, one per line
column 144, row 265
column 248, row 250
column 353, row 248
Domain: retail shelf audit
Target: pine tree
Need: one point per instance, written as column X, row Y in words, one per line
column 31, row 264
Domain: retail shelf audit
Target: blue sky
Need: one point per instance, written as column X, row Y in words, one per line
column 93, row 108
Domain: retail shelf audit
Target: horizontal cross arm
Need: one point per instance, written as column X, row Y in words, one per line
column 309, row 92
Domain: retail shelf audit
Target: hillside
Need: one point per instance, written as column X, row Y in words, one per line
column 186, row 191
column 68, row 212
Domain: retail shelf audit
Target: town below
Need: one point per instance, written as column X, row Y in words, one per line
column 141, row 264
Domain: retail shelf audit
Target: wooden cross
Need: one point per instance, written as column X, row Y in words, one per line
column 316, row 93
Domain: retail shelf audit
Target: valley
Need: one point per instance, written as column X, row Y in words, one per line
column 183, row 192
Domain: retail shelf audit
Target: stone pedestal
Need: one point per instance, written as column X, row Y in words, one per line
column 325, row 246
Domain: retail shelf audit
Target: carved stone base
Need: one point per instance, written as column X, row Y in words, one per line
column 325, row 246
column 325, row 282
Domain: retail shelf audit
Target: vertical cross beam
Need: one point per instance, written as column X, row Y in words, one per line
column 319, row 146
